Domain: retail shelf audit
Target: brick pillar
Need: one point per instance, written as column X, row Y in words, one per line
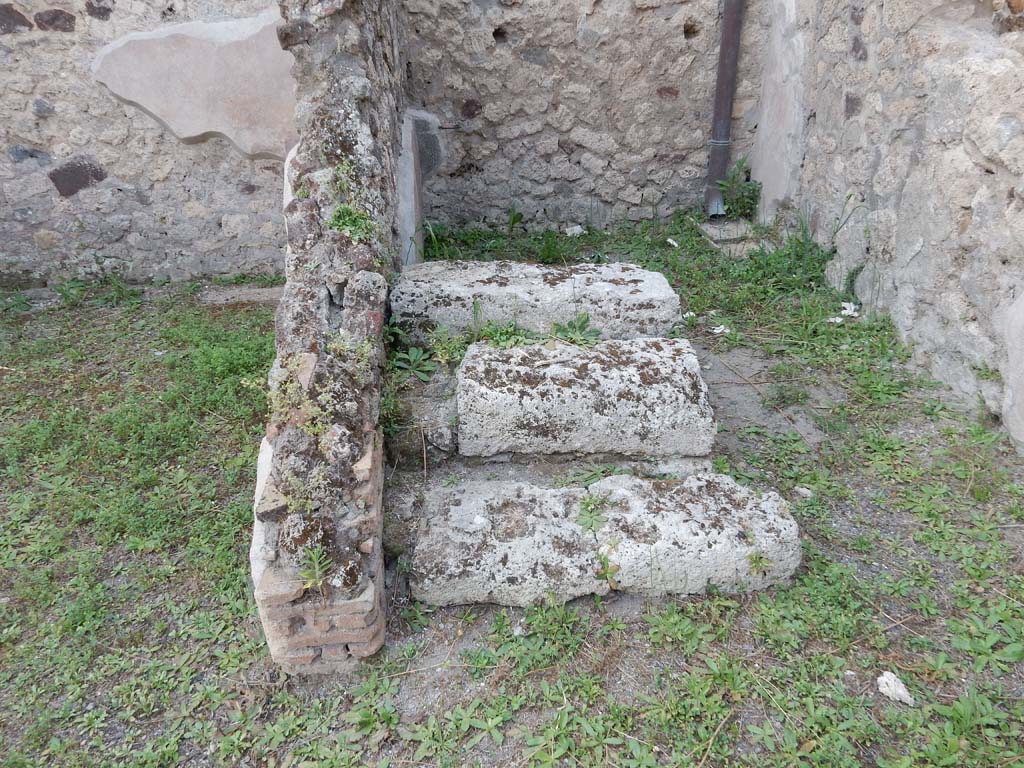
column 319, row 487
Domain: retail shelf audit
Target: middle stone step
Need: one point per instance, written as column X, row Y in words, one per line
column 637, row 397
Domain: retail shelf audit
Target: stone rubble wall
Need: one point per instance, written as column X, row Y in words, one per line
column 573, row 112
column 89, row 186
column 321, row 466
column 898, row 131
column 1008, row 15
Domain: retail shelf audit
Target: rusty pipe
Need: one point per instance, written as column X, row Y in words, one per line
column 725, row 90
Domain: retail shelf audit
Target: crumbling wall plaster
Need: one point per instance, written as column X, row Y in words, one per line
column 911, row 153
column 89, row 186
column 574, row 112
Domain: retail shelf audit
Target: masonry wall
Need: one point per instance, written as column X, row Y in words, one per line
column 898, row 131
column 573, row 112
column 321, row 467
column 129, row 197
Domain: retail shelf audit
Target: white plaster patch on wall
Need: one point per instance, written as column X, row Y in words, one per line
column 202, row 79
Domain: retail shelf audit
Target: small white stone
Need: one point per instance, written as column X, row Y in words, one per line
column 672, row 242
column 575, row 230
column 893, row 688
column 802, row 492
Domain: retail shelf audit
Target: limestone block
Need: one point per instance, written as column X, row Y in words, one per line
column 202, row 79
column 640, row 397
column 515, row 544
column 623, row 301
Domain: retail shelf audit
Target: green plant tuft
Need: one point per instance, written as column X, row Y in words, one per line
column 315, row 568
column 355, row 224
column 740, row 193
column 591, row 516
column 577, row 331
column 414, row 362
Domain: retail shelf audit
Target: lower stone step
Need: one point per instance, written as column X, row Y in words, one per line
column 623, row 300
column 638, row 397
column 516, row 544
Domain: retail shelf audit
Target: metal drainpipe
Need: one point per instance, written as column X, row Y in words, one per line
column 725, row 89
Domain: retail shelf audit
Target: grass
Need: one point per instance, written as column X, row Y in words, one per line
column 128, row 636
column 127, row 444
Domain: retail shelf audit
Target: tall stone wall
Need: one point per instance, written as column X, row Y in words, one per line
column 573, row 112
column 320, row 475
column 899, row 132
column 90, row 186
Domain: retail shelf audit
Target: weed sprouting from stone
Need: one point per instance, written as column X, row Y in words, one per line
column 577, row 331
column 591, row 515
column 759, row 563
column 353, row 223
column 740, row 193
column 447, row 348
column 315, row 568
column 606, row 570
column 391, row 408
column 414, row 362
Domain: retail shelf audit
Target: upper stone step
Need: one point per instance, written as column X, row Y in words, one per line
column 641, row 397
column 623, row 300
column 515, row 543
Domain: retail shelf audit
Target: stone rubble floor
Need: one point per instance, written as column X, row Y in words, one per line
column 128, row 431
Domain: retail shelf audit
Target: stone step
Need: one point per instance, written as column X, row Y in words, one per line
column 516, row 544
column 622, row 300
column 642, row 398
